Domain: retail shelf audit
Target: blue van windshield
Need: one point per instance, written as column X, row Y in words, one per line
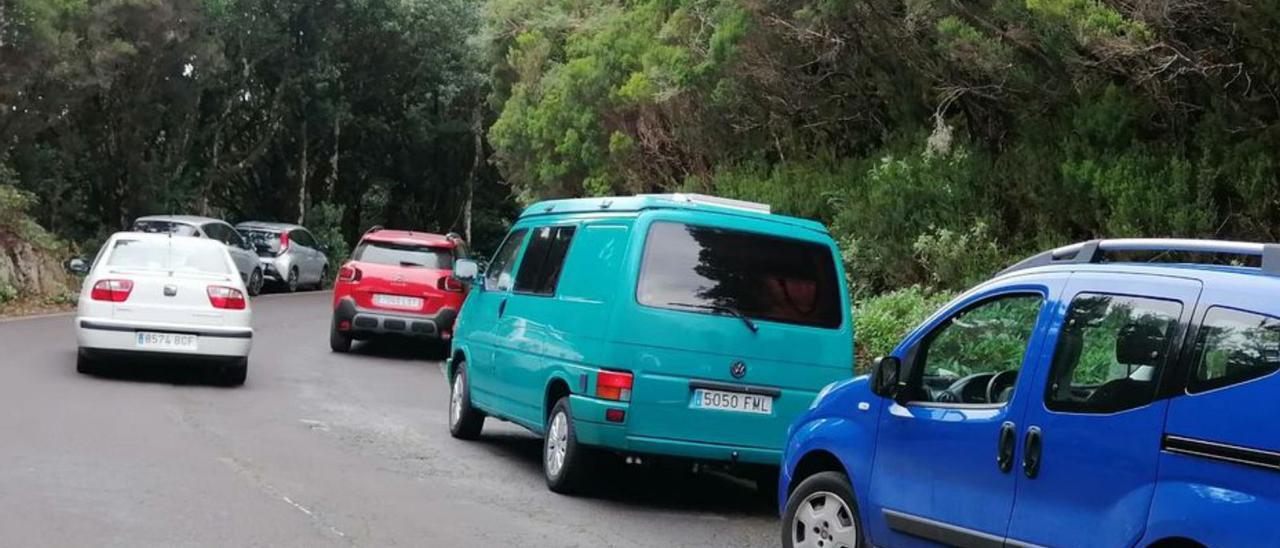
column 717, row 270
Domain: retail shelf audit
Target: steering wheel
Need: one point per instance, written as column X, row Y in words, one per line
column 992, row 384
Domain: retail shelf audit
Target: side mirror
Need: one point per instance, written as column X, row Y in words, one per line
column 76, row 266
column 466, row 270
column 885, row 373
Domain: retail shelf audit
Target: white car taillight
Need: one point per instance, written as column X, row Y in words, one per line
column 116, row 291
column 226, row 298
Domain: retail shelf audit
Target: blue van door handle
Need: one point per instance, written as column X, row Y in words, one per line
column 1031, row 449
column 1006, row 446
column 502, row 307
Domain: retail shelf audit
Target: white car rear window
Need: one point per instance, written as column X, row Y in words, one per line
column 176, row 255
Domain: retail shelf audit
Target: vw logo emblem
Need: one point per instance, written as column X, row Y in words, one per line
column 738, row 369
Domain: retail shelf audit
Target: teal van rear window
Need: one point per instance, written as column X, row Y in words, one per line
column 721, row 271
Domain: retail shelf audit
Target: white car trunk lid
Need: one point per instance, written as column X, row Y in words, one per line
column 176, row 299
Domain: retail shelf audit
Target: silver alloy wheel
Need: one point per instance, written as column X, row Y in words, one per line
column 557, row 444
column 255, row 283
column 823, row 520
column 455, row 399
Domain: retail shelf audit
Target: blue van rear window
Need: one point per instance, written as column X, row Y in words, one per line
column 717, row 270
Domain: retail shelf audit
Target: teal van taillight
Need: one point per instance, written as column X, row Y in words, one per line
column 674, row 325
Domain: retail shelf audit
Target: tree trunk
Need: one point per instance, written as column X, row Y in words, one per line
column 302, row 173
column 477, row 126
column 331, row 183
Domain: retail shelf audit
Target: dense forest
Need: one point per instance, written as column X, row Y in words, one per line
column 340, row 114
column 938, row 139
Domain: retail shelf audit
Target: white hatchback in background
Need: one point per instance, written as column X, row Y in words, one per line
column 164, row 297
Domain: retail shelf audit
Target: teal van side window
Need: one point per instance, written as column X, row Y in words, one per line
column 544, row 260
column 592, row 267
column 708, row 269
column 498, row 278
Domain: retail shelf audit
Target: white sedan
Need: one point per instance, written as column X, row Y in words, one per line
column 164, row 297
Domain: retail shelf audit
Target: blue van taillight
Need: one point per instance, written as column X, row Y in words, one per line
column 614, row 385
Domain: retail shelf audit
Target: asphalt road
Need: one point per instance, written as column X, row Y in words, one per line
column 317, row 449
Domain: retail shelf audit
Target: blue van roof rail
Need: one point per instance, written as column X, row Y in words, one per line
column 1091, row 251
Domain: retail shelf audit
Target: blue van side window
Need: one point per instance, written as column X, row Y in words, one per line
column 1234, row 347
column 543, row 260
column 498, row 277
column 974, row 357
column 1110, row 353
column 699, row 268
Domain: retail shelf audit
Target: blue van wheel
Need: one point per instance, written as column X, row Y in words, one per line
column 822, row 513
column 565, row 463
column 465, row 421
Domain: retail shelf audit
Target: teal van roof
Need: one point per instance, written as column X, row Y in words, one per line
column 641, row 202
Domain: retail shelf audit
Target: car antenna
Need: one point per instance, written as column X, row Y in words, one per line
column 169, row 258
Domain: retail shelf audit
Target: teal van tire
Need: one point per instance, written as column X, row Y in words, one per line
column 465, row 421
column 822, row 512
column 565, row 463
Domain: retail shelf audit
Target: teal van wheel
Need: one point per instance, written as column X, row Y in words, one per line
column 465, row 421
column 564, row 462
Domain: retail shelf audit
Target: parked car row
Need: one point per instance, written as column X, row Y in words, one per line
column 280, row 253
column 1079, row 398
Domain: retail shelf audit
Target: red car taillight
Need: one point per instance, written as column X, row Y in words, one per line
column 349, row 274
column 116, row 291
column 448, row 283
column 284, row 243
column 227, row 298
column 614, row 385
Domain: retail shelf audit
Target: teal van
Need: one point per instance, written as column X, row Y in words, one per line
column 671, row 325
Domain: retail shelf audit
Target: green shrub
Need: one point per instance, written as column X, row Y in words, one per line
column 880, row 322
column 16, row 222
column 8, row 293
column 958, row 259
column 324, row 220
column 883, row 211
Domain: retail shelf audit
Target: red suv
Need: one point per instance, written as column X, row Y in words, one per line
column 397, row 283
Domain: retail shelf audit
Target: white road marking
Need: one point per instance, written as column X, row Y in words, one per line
column 315, row 425
column 270, row 489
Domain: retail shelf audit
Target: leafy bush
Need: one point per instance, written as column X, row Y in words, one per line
column 15, row 221
column 8, row 293
column 880, row 322
column 958, row 259
column 882, row 211
column 799, row 189
column 324, row 220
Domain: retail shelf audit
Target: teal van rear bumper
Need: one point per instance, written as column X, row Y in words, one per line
column 594, row 430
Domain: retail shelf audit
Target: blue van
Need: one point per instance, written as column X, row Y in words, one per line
column 1080, row 398
column 676, row 325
